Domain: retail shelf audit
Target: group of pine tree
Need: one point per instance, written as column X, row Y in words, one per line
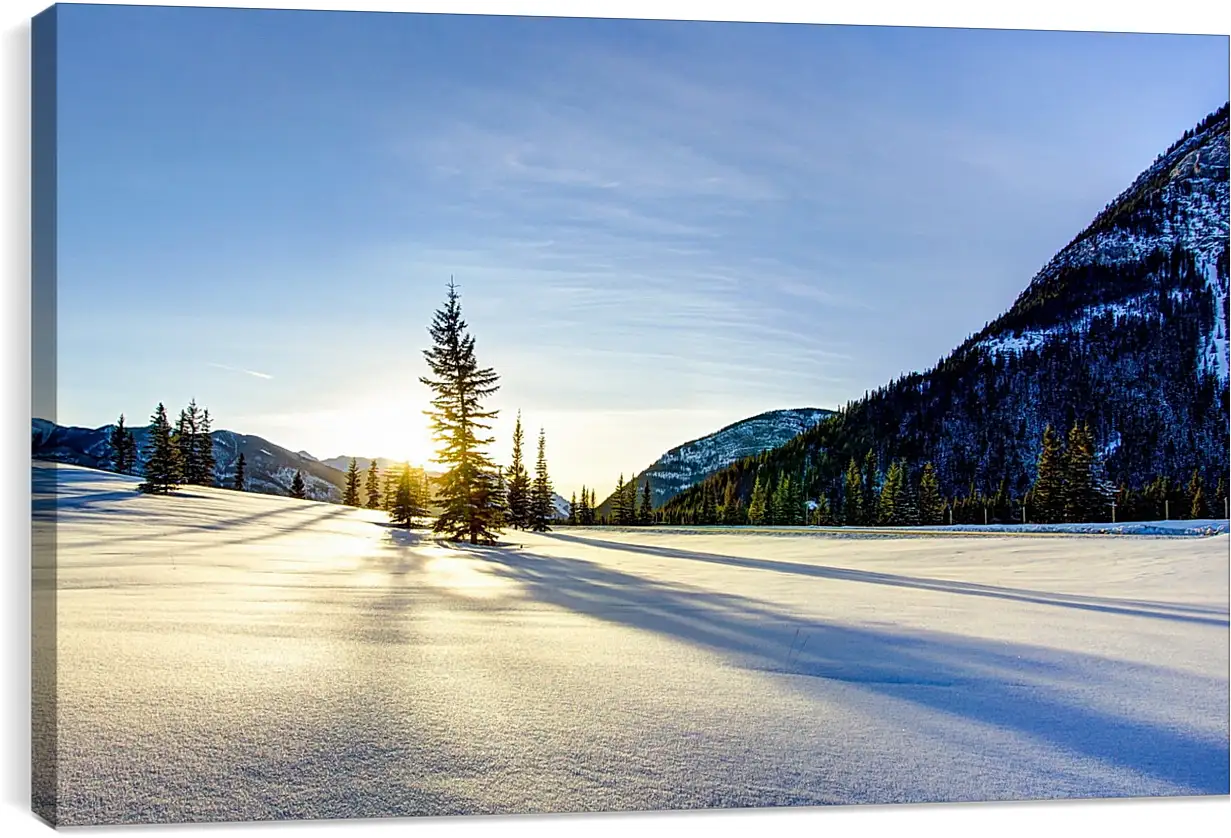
column 177, row 455
column 1069, row 487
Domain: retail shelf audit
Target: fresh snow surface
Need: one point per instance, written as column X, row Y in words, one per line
column 227, row 656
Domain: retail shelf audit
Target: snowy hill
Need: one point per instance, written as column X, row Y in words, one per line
column 688, row 464
column 223, row 656
column 1125, row 328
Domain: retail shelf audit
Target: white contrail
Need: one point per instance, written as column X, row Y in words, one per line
column 238, row 369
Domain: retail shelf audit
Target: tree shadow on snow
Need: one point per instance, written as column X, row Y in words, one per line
column 1207, row 615
column 1030, row 690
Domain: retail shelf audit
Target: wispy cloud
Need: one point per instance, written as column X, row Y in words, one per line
column 252, row 373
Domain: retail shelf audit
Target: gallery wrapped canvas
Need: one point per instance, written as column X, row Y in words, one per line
column 459, row 414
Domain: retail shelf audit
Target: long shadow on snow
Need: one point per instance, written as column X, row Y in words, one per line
column 1107, row 605
column 1031, row 690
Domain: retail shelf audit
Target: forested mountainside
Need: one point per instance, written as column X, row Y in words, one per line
column 691, row 462
column 1125, row 329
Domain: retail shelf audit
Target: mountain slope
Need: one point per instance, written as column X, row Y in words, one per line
column 690, row 463
column 1125, row 328
column 269, row 467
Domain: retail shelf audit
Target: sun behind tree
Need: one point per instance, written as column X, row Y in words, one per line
column 469, row 490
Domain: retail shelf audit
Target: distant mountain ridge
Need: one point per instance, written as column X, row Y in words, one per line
column 691, row 462
column 269, row 468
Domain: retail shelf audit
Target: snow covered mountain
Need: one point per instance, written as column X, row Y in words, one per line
column 269, row 467
column 688, row 464
column 1125, row 328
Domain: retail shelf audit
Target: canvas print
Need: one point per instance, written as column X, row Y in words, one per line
column 460, row 414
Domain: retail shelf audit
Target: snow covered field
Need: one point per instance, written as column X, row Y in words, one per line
column 238, row 656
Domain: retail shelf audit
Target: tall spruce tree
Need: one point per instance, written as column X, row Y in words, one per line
column 518, row 492
column 572, row 510
column 123, row 448
column 351, row 496
column 162, row 464
column 852, row 496
column 645, row 513
column 758, row 503
column 617, row 501
column 241, row 466
column 889, row 513
column 1197, row 506
column 1081, row 501
column 541, row 506
column 203, row 448
column 1220, row 498
column 298, row 489
column 372, row 486
column 931, row 504
column 468, row 492
column 1047, row 493
column 584, row 509
column 407, row 504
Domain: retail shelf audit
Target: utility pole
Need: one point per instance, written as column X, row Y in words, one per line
column 1023, row 513
column 1167, row 510
column 985, row 516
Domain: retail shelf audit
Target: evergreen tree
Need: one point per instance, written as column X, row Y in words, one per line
column 241, row 466
column 853, row 503
column 373, row 486
column 541, row 506
column 1081, row 501
column 645, row 515
column 585, row 513
column 351, row 496
column 931, row 504
column 1220, row 498
column 572, row 510
column 1197, row 509
column 196, row 448
column 162, row 466
column 758, row 503
column 183, row 437
column 467, row 490
column 407, row 499
column 298, row 489
column 1048, row 490
column 203, row 449
column 519, row 515
column 889, row 512
column 123, row 448
column 618, row 510
column 908, row 499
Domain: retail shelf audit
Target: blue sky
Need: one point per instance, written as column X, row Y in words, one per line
column 657, row 228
